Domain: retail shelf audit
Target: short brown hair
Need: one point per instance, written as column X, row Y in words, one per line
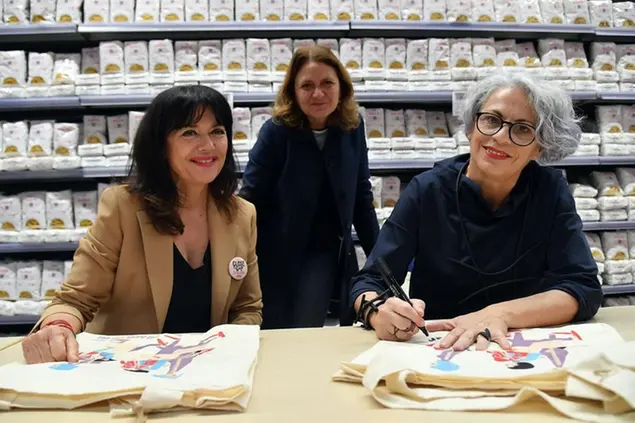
column 286, row 108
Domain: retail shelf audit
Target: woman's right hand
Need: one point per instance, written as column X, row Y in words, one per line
column 51, row 343
column 396, row 320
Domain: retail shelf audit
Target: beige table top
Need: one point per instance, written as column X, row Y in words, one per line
column 293, row 384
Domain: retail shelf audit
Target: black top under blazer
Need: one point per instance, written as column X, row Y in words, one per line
column 283, row 180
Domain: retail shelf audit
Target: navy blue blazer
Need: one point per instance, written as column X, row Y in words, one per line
column 283, row 180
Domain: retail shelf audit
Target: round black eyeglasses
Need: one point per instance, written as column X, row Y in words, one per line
column 521, row 134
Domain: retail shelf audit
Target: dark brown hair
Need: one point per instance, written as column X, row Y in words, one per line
column 286, row 108
column 152, row 178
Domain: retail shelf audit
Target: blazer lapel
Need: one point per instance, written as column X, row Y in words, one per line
column 159, row 265
column 222, row 240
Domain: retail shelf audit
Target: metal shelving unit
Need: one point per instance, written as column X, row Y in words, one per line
column 18, row 320
column 20, row 248
column 206, row 30
column 64, row 174
column 38, row 103
column 627, row 225
column 618, row 289
column 23, row 33
column 469, row 29
column 622, row 97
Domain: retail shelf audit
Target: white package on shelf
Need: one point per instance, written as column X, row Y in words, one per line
column 161, row 61
column 390, row 190
column 258, row 60
column 595, row 245
column 94, row 136
column 411, row 10
column 247, row 10
column 624, row 14
column 40, row 69
column 395, row 123
column 613, row 215
column 395, row 59
column 484, row 53
column 434, row 10
column 527, row 55
column 577, row 61
column 576, row 12
column 118, row 132
column 85, row 208
column 196, row 10
column 483, row 11
column 342, row 10
column 375, row 123
column 582, row 190
column 365, row 9
column 530, row 12
column 445, row 143
column 13, row 68
column 186, row 61
column 27, row 307
column 10, row 213
column 52, row 277
column 16, row 11
column 439, row 58
column 437, row 124
column 65, row 71
column 7, row 308
column 351, row 57
column 390, row 10
column 461, row 61
column 403, row 144
column 33, row 205
column 601, row 13
column 259, row 115
column 609, row 119
column 604, row 61
column 626, row 178
column 67, row 162
column 93, row 161
column 417, row 60
column 507, row 11
column 272, row 10
column 96, row 11
column 416, row 123
column 8, row 281
column 601, row 268
column 42, row 11
column 587, row 150
column 281, row 53
column 68, row 11
column 626, row 62
column 612, row 267
column 149, row 10
column 15, row 137
column 172, row 10
column 552, row 11
column 615, row 245
column 65, row 139
column 589, row 215
column 89, row 73
column 586, row 203
column 631, row 243
column 241, row 129
column 295, row 10
column 234, row 60
column 319, row 10
column 210, row 60
column 59, row 210
column 618, row 279
column 591, row 139
column 122, row 11
column 136, row 62
column 374, row 58
column 111, row 62
column 29, row 280
column 380, row 144
column 606, row 183
column 612, row 203
column 458, row 10
column 375, row 188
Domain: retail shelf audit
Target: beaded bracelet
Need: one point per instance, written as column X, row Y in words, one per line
column 60, row 323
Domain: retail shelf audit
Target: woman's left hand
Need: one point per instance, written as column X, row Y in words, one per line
column 465, row 330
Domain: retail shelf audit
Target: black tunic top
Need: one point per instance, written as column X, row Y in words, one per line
column 190, row 307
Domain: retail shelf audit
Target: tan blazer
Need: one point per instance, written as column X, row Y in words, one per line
column 121, row 279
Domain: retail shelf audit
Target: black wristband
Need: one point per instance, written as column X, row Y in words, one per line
column 368, row 308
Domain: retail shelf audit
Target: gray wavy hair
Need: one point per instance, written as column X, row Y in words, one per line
column 557, row 128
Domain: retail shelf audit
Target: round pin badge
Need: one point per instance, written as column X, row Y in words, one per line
column 238, row 268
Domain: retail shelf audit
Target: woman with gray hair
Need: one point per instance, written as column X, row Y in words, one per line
column 496, row 239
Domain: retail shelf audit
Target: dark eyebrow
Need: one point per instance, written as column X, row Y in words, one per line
column 498, row 113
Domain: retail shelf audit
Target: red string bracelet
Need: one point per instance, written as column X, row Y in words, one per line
column 61, row 323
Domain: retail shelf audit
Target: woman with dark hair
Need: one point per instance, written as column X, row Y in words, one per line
column 174, row 250
column 308, row 177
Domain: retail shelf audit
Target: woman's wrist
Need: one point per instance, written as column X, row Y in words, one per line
column 60, row 323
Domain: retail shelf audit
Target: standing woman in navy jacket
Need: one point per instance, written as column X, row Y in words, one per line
column 308, row 177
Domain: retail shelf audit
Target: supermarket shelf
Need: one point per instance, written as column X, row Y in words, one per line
column 20, row 319
column 43, row 247
column 401, row 164
column 625, row 225
column 35, row 103
column 583, row 95
column 195, row 30
column 618, row 289
column 421, row 97
column 33, row 33
column 615, row 33
column 471, row 29
column 64, row 174
column 115, row 100
column 254, row 98
column 617, row 96
column 617, row 160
